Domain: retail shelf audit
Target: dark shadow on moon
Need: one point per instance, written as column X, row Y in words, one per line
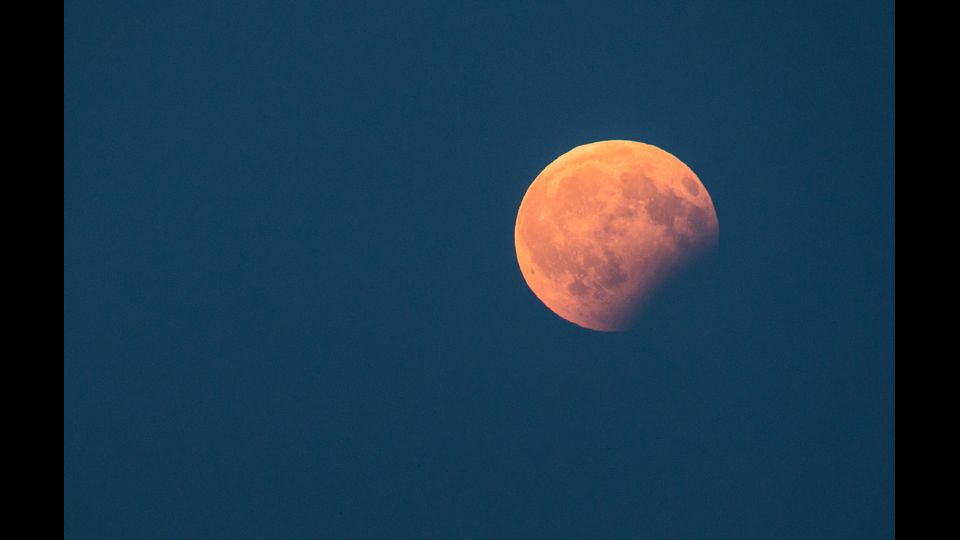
column 682, row 302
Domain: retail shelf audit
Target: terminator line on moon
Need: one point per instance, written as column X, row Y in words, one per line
column 602, row 226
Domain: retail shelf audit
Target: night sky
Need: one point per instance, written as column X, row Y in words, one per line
column 292, row 307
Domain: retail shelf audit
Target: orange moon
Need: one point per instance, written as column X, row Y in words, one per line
column 602, row 226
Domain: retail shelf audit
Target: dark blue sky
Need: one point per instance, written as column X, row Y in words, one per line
column 292, row 307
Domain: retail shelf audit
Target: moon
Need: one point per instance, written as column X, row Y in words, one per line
column 607, row 223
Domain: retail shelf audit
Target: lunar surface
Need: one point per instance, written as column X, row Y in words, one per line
column 607, row 223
